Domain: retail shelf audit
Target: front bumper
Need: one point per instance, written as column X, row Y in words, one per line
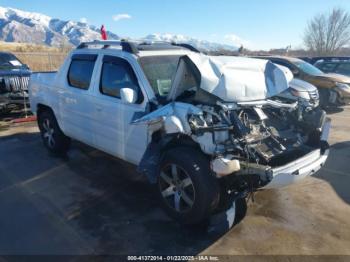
column 302, row 167
column 344, row 95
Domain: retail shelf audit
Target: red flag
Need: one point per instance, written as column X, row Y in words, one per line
column 103, row 33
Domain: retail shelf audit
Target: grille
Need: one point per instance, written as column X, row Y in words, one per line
column 15, row 83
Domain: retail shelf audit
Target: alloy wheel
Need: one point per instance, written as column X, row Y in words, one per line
column 48, row 133
column 177, row 188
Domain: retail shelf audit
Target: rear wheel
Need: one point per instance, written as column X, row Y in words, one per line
column 187, row 189
column 54, row 139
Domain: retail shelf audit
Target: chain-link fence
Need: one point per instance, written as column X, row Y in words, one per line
column 42, row 61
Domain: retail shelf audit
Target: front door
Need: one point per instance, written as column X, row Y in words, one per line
column 114, row 132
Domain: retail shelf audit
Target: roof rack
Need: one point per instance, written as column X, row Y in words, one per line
column 135, row 47
column 125, row 45
column 187, row 46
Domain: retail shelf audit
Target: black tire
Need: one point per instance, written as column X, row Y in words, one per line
column 54, row 139
column 5, row 111
column 204, row 190
column 241, row 210
column 325, row 97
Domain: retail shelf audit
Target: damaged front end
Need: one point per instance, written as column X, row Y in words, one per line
column 250, row 145
column 231, row 109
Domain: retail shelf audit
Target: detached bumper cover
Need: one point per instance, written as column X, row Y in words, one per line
column 304, row 166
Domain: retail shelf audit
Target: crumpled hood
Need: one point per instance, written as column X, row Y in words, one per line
column 238, row 79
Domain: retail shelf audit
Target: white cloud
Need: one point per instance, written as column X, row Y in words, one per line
column 119, row 17
column 83, row 20
column 237, row 41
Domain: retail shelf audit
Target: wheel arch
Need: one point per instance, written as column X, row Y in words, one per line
column 40, row 108
column 160, row 144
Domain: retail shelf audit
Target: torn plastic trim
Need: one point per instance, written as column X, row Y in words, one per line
column 166, row 114
column 172, row 120
column 304, row 166
column 298, row 169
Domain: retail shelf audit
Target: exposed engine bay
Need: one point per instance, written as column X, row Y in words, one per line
column 242, row 139
column 249, row 138
column 254, row 133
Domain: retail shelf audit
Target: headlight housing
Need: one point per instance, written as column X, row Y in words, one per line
column 301, row 94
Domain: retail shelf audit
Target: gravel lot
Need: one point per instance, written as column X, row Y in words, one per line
column 90, row 203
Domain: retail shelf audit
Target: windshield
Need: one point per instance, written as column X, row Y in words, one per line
column 308, row 68
column 9, row 61
column 160, row 71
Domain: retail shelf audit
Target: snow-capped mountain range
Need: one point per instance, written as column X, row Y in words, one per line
column 28, row 27
column 200, row 44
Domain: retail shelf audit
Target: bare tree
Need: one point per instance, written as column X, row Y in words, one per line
column 327, row 34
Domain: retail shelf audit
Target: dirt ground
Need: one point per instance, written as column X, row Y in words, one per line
column 90, row 203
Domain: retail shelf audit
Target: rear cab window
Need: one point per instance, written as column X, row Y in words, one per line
column 81, row 70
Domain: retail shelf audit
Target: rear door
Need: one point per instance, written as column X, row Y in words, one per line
column 113, row 130
column 76, row 105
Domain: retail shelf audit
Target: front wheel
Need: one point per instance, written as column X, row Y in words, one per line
column 54, row 139
column 328, row 98
column 187, row 189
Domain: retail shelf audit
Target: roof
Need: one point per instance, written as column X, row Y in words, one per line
column 287, row 58
column 135, row 47
column 333, row 61
column 313, row 60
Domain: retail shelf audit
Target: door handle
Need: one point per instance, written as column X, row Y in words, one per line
column 99, row 108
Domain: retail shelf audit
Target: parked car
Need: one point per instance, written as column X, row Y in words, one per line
column 14, row 78
column 334, row 89
column 334, row 66
column 315, row 59
column 304, row 92
column 206, row 131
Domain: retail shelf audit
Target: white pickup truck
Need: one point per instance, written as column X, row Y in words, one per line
column 205, row 130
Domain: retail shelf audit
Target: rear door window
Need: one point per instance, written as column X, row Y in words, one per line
column 80, row 71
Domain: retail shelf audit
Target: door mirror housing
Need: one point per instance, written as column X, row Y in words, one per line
column 128, row 95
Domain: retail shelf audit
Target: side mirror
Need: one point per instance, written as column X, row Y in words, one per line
column 128, row 95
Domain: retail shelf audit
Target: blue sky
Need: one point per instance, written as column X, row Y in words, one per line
column 258, row 24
